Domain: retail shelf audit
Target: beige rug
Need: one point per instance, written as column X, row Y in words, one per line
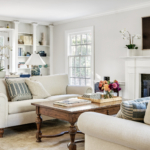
column 23, row 137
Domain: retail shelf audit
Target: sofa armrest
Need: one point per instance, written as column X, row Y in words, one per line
column 3, row 110
column 127, row 133
column 78, row 89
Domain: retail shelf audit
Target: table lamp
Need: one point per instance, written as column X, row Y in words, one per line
column 35, row 60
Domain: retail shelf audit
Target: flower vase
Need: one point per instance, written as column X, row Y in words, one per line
column 2, row 74
column 131, row 52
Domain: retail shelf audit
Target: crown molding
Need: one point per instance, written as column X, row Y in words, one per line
column 11, row 19
column 144, row 5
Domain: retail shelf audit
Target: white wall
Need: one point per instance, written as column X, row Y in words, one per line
column 109, row 45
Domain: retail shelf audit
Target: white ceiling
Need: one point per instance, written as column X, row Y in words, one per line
column 60, row 10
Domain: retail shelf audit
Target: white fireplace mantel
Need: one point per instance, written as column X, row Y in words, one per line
column 134, row 67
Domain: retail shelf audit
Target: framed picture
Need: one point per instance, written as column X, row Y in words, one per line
column 146, row 33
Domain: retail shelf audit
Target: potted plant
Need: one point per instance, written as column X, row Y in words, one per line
column 2, row 56
column 132, row 48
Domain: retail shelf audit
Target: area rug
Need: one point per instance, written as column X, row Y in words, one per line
column 23, row 137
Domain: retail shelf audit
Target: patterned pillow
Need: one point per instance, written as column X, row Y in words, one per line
column 18, row 90
column 134, row 110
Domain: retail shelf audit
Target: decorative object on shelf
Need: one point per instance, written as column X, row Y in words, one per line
column 42, row 53
column 40, row 66
column 2, row 56
column 43, row 41
column 7, row 26
column 108, row 88
column 20, row 41
column 27, row 39
column 46, row 66
column 132, row 48
column 12, row 73
column 28, row 54
column 35, row 60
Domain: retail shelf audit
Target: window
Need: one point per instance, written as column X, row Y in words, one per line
column 80, row 58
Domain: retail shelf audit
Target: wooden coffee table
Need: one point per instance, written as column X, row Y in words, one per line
column 71, row 115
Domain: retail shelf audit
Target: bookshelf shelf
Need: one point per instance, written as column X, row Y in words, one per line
column 42, row 45
column 23, row 56
column 23, row 45
column 24, row 68
column 25, row 33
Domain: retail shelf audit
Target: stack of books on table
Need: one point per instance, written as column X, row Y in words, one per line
column 72, row 102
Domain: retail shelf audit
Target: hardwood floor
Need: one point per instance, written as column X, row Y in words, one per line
column 23, row 137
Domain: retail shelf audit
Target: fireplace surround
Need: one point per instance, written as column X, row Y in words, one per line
column 136, row 69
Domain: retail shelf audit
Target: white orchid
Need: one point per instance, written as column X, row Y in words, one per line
column 137, row 36
column 123, row 31
column 2, row 54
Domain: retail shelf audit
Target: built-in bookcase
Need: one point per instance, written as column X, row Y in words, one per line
column 35, row 30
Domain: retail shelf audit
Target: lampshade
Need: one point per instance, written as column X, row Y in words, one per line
column 35, row 60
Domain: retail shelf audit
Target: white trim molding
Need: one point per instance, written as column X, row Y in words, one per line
column 80, row 30
column 130, row 8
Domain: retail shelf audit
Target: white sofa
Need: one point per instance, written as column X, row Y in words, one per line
column 104, row 132
column 22, row 112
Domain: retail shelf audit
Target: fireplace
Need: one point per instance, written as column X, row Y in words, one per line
column 145, row 85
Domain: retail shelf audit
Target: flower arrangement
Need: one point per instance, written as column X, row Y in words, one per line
column 109, row 87
column 2, row 55
column 130, row 38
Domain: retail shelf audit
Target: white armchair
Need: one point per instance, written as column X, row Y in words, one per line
column 104, row 132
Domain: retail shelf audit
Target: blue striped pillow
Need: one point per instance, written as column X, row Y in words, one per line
column 134, row 109
column 18, row 90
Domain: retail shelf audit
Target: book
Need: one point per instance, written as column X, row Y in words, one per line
column 72, row 102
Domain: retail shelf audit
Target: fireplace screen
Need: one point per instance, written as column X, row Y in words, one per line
column 145, row 82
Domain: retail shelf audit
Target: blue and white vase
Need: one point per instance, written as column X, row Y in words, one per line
column 35, row 71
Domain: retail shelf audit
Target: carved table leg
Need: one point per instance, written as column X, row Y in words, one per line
column 1, row 133
column 72, row 132
column 38, row 124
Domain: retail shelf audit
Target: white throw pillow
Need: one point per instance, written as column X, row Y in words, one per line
column 147, row 115
column 37, row 89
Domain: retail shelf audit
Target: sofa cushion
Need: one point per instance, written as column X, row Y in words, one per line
column 37, row 89
column 62, row 97
column 3, row 88
column 23, row 106
column 18, row 90
column 54, row 84
column 134, row 109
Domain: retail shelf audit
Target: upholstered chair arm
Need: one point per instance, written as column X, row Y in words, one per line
column 78, row 89
column 112, row 129
column 3, row 110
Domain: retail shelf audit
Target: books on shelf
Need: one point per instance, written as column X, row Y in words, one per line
column 25, row 75
column 22, row 65
column 72, row 102
column 21, row 52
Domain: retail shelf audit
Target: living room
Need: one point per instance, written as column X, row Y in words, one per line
column 74, row 75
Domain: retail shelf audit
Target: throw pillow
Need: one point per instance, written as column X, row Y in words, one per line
column 37, row 89
column 147, row 115
column 18, row 90
column 134, row 109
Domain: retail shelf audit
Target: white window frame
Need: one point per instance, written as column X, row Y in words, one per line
column 67, row 48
